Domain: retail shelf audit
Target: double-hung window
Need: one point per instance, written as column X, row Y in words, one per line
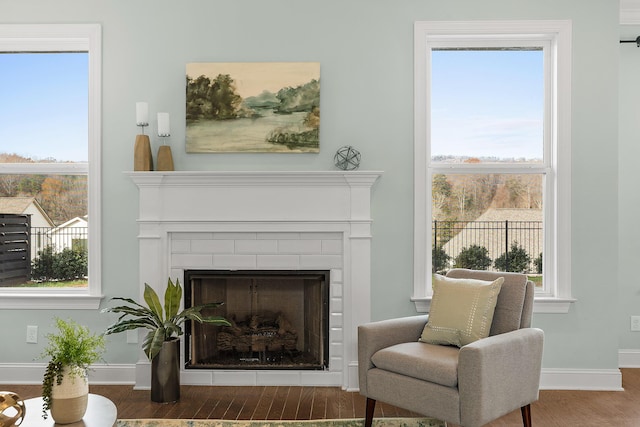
column 50, row 108
column 492, row 153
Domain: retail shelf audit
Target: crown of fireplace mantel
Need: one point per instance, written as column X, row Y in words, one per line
column 291, row 220
column 255, row 177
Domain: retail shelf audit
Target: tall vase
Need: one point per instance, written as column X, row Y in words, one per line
column 142, row 159
column 69, row 398
column 165, row 159
column 165, row 373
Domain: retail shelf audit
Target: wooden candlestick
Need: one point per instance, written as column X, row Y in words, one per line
column 142, row 159
column 165, row 158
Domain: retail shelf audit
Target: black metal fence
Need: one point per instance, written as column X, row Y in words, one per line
column 499, row 238
column 75, row 238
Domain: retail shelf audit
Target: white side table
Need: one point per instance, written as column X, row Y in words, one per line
column 101, row 412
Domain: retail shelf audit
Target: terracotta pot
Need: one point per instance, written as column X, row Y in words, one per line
column 165, row 373
column 69, row 398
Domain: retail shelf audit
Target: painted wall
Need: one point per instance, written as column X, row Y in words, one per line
column 629, row 204
column 365, row 48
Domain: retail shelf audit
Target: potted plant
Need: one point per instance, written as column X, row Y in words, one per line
column 161, row 344
column 65, row 387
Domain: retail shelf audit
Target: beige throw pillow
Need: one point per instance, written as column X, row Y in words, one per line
column 461, row 310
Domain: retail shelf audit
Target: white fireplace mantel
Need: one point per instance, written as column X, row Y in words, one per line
column 267, row 220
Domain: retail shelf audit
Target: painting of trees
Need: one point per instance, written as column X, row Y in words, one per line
column 253, row 107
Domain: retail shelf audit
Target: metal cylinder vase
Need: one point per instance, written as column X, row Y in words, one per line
column 165, row 373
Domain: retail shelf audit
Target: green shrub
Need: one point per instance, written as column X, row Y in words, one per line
column 474, row 257
column 68, row 264
column 439, row 259
column 538, row 263
column 517, row 260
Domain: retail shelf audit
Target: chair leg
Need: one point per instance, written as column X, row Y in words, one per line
column 526, row 415
column 371, row 406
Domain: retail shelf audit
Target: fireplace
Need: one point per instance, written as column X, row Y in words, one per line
column 257, row 222
column 279, row 319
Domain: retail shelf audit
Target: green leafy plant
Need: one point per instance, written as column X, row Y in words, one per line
column 68, row 264
column 74, row 346
column 474, row 257
column 516, row 260
column 439, row 259
column 163, row 325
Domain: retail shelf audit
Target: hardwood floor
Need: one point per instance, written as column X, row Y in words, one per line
column 556, row 408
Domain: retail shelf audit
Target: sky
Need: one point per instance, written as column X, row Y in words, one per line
column 487, row 103
column 44, row 105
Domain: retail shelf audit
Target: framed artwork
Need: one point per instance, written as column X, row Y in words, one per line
column 253, row 107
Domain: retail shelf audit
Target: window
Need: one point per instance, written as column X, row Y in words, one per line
column 50, row 165
column 492, row 153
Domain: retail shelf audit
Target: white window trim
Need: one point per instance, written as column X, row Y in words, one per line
column 557, row 156
column 60, row 38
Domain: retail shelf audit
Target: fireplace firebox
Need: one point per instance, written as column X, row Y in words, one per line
column 279, row 319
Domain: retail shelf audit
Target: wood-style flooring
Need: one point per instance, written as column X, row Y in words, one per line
column 561, row 408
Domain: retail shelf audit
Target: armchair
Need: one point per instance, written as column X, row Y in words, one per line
column 471, row 385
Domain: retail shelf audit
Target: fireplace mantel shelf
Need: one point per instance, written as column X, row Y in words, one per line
column 257, row 178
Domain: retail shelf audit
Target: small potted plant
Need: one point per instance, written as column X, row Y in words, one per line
column 161, row 344
column 65, row 387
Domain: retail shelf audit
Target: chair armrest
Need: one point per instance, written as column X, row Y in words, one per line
column 375, row 336
column 506, row 365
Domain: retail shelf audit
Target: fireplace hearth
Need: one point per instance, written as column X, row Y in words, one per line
column 279, row 319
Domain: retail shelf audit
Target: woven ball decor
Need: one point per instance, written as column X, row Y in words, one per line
column 12, row 409
column 347, row 158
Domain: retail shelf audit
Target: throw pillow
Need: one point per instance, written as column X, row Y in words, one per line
column 461, row 310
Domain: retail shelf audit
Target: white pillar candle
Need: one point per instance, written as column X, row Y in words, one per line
column 163, row 124
column 142, row 113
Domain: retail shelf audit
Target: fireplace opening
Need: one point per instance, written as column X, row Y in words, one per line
column 280, row 319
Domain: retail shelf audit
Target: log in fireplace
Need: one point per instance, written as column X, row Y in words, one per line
column 280, row 319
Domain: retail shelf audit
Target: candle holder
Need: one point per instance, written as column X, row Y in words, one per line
column 165, row 158
column 142, row 158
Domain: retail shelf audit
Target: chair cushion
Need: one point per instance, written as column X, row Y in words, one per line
column 433, row 363
column 461, row 310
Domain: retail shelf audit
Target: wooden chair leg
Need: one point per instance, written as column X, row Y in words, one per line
column 526, row 415
column 371, row 406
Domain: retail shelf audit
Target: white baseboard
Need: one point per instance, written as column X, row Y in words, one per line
column 550, row 379
column 581, row 379
column 629, row 358
column 32, row 373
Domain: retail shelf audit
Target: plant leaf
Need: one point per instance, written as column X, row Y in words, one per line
column 151, row 297
column 172, row 298
column 153, row 342
column 125, row 325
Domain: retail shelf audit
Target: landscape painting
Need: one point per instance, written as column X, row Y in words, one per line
column 253, row 107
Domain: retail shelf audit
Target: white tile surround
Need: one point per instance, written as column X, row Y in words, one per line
column 262, row 221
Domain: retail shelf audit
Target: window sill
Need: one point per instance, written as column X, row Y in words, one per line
column 53, row 300
column 540, row 304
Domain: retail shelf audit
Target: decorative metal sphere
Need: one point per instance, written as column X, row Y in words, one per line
column 347, row 158
column 12, row 409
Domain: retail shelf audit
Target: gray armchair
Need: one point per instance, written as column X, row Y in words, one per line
column 472, row 385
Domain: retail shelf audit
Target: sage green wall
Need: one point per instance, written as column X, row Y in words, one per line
column 365, row 48
column 629, row 205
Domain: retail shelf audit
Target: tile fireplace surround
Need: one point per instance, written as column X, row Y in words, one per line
column 263, row 221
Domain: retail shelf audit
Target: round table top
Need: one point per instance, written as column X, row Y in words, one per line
column 101, row 412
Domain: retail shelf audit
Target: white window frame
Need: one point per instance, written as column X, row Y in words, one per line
column 555, row 38
column 64, row 38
